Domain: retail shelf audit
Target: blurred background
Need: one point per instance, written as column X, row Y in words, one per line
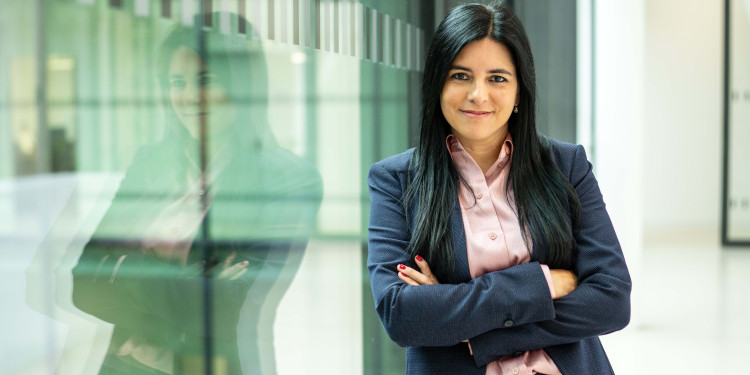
column 657, row 91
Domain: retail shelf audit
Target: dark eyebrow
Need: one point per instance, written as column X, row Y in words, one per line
column 201, row 73
column 497, row 71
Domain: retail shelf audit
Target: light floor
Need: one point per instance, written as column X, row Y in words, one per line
column 691, row 312
column 691, row 305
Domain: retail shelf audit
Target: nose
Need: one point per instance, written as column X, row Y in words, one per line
column 478, row 92
column 192, row 93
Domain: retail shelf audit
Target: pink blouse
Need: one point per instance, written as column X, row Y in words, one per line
column 493, row 238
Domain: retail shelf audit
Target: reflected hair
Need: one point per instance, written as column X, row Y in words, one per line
column 546, row 204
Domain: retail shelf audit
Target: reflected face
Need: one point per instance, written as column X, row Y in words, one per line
column 189, row 78
column 480, row 92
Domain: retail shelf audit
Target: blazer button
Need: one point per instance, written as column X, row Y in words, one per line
column 518, row 354
column 508, row 323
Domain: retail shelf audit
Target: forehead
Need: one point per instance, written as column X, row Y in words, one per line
column 485, row 55
column 184, row 61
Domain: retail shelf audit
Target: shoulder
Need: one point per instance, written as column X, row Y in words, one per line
column 395, row 166
column 398, row 163
column 293, row 171
column 563, row 153
column 570, row 158
column 391, row 172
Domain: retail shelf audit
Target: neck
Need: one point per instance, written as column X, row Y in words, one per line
column 484, row 152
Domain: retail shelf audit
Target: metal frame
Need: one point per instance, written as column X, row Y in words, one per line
column 725, row 240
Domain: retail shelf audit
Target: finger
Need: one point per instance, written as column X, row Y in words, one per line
column 415, row 275
column 230, row 272
column 238, row 274
column 407, row 279
column 230, row 259
column 422, row 264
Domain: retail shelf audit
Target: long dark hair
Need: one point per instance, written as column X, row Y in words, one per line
column 543, row 196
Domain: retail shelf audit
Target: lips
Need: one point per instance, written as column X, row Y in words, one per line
column 475, row 114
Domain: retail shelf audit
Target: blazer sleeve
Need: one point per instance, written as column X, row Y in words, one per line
column 601, row 302
column 443, row 314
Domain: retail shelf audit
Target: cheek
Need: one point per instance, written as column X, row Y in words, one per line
column 446, row 102
column 217, row 95
column 175, row 97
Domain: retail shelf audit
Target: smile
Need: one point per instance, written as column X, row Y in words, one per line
column 475, row 114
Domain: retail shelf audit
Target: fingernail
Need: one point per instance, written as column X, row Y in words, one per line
column 244, row 263
column 401, row 266
column 402, row 274
column 419, row 258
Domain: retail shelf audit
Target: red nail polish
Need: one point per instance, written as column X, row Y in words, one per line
column 402, row 274
column 419, row 258
column 401, row 266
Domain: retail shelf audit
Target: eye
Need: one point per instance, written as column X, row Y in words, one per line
column 177, row 83
column 207, row 80
column 460, row 76
column 498, row 79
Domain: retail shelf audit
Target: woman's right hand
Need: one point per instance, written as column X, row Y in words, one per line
column 564, row 282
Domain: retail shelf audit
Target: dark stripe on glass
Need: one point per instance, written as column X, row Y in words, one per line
column 271, row 21
column 207, row 10
column 392, row 41
column 242, row 25
column 166, row 8
column 366, row 33
column 316, row 19
column 295, row 21
column 353, row 29
column 115, row 3
column 380, row 41
column 336, row 4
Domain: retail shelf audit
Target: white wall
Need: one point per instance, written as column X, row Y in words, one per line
column 683, row 116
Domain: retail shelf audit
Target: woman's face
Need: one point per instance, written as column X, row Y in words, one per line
column 189, row 77
column 479, row 93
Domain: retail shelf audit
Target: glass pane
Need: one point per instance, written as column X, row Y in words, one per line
column 183, row 183
column 738, row 210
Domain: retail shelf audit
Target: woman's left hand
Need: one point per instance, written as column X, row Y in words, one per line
column 413, row 277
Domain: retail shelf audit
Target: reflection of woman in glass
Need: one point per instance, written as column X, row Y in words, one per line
column 525, row 270
column 208, row 226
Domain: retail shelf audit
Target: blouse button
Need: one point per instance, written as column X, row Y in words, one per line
column 515, row 370
column 493, row 236
column 479, row 196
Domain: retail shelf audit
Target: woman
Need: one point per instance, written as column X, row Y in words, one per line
column 208, row 226
column 525, row 270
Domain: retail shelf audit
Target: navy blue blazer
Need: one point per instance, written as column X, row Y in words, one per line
column 502, row 313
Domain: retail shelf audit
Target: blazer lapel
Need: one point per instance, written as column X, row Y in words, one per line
column 458, row 239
